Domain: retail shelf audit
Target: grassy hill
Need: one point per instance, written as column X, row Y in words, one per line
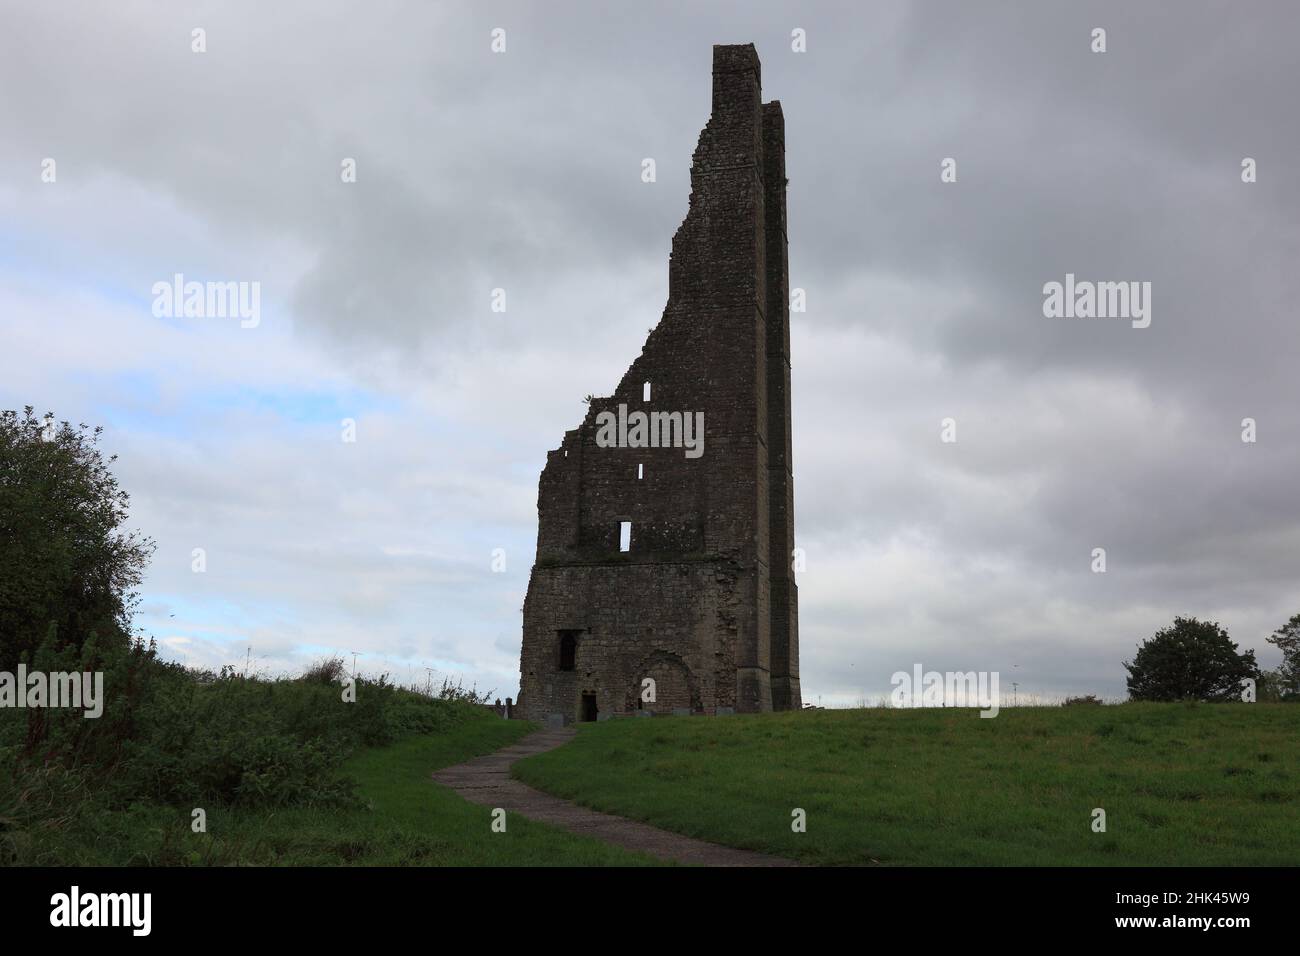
column 1180, row 784
column 286, row 773
column 405, row 820
column 289, row 774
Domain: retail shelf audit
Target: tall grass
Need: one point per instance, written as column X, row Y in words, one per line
column 178, row 737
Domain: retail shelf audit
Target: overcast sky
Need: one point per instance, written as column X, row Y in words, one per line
column 522, row 170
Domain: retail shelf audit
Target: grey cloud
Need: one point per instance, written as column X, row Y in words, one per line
column 522, row 171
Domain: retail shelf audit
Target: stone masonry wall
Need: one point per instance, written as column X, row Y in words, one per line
column 704, row 601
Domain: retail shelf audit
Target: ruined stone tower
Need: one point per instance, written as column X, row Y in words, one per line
column 668, row 562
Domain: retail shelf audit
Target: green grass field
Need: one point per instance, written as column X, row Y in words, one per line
column 410, row 822
column 1181, row 784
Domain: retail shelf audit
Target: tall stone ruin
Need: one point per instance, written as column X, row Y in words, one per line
column 651, row 563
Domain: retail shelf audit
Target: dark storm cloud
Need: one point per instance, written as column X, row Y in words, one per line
column 522, row 171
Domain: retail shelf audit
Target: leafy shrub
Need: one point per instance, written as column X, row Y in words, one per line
column 1190, row 660
column 168, row 737
column 67, row 568
column 179, row 737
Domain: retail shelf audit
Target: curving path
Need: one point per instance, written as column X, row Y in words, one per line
column 487, row 781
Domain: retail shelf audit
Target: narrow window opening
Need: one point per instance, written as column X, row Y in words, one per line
column 640, row 471
column 645, row 392
column 568, row 650
column 625, row 536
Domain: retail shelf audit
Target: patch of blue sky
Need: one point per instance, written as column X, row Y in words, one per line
column 60, row 265
column 133, row 400
column 212, row 621
column 25, row 263
column 209, row 616
column 132, row 295
column 300, row 407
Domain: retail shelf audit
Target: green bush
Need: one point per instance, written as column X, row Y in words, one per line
column 177, row 737
column 1190, row 660
column 170, row 738
column 68, row 567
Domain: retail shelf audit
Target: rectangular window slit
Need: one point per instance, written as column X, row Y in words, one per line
column 625, row 536
column 568, row 650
